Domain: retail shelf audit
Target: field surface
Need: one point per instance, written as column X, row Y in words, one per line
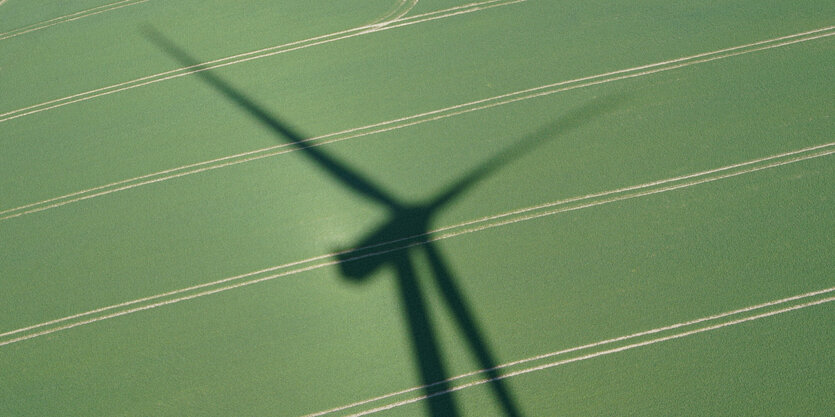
column 412, row 208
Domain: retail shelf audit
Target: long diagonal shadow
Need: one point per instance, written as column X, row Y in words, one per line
column 410, row 223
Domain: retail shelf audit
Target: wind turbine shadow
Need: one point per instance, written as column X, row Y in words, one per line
column 406, row 231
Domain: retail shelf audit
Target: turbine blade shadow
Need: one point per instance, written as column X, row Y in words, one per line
column 424, row 341
column 563, row 124
column 347, row 176
column 469, row 327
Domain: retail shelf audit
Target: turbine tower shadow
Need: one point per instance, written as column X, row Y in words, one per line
column 407, row 230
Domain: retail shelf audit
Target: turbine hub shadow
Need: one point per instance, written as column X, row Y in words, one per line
column 407, row 227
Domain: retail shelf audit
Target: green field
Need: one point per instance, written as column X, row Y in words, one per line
column 409, row 208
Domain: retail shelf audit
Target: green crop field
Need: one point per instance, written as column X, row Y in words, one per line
column 417, row 208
